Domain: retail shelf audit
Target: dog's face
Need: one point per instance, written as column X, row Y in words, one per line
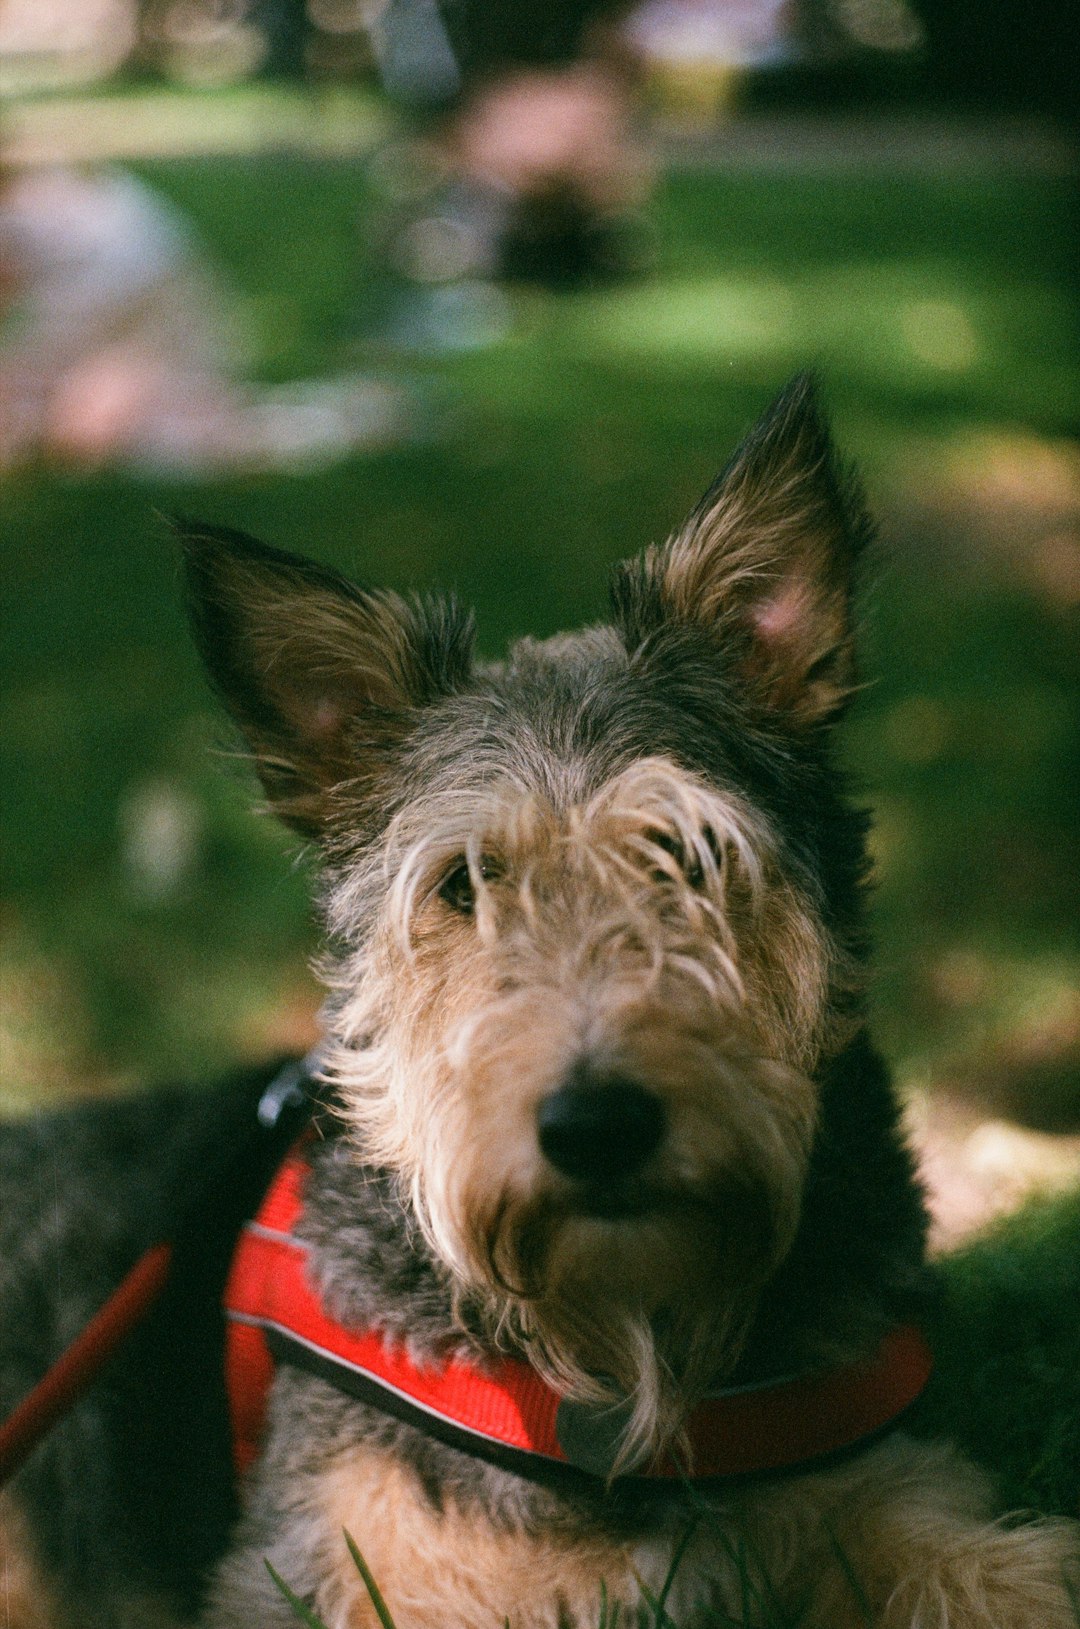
column 593, row 910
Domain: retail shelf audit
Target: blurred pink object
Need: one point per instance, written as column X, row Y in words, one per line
column 117, row 346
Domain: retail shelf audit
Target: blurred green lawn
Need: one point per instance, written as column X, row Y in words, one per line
column 938, row 308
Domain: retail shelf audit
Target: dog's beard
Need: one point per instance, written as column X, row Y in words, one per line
column 645, row 1313
column 648, row 1303
column 647, row 1308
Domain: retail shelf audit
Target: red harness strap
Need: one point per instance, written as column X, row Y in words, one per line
column 505, row 1408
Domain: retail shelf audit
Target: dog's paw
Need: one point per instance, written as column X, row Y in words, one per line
column 995, row 1577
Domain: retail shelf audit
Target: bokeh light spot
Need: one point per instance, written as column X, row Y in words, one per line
column 940, row 334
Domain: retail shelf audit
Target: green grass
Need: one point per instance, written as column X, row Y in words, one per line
column 936, row 306
column 939, row 309
column 1006, row 1334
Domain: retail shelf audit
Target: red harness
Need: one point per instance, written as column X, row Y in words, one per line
column 505, row 1410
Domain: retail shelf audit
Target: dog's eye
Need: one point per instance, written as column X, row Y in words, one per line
column 457, row 888
column 689, row 865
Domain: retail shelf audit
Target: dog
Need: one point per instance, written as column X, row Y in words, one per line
column 597, row 1131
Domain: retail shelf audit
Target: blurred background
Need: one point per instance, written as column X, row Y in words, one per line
column 482, row 293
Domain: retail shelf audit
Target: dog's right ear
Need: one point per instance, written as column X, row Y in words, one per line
column 324, row 678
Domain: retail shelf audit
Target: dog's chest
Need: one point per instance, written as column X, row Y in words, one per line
column 462, row 1562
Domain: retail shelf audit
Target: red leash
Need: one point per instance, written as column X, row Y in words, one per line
column 63, row 1384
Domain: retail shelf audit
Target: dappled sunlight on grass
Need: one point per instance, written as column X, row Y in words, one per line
column 44, row 1030
column 890, row 325
column 1004, row 1031
column 936, row 306
column 1005, row 498
column 940, row 334
column 701, row 322
column 135, row 997
column 168, row 121
column 975, row 1170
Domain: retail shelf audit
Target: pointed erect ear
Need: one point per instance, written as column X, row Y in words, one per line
column 765, row 565
column 324, row 678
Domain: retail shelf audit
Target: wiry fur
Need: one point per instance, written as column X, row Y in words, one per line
column 621, row 861
column 587, row 939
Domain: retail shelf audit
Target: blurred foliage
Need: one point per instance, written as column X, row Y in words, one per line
column 937, row 307
column 1010, row 1297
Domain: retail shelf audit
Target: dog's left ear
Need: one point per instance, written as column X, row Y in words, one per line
column 765, row 565
column 325, row 679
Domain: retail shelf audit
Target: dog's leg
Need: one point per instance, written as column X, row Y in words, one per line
column 906, row 1542
column 454, row 1567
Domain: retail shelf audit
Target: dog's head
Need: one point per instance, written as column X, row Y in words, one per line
column 594, row 911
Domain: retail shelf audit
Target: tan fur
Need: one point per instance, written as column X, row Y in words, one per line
column 452, row 1569
column 29, row 1601
column 910, row 1520
column 26, row 1601
column 589, row 937
column 323, row 659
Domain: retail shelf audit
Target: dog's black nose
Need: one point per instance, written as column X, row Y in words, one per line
column 599, row 1128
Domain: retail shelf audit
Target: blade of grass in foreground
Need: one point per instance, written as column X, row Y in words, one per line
column 680, row 1550
column 381, row 1608
column 1074, row 1599
column 609, row 1614
column 308, row 1617
column 660, row 1617
column 303, row 1613
column 853, row 1583
column 752, row 1603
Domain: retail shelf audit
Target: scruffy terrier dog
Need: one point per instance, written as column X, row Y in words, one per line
column 599, row 1120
